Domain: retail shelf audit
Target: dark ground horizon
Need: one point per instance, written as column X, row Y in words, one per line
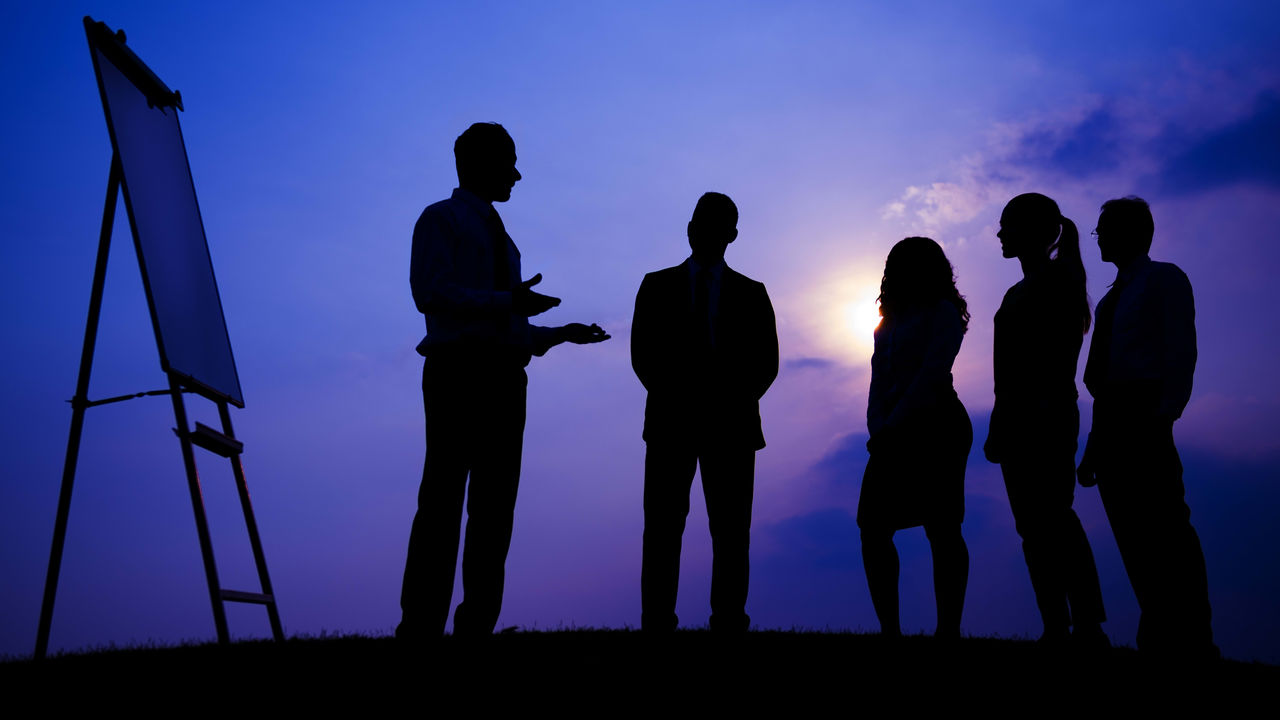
column 582, row 669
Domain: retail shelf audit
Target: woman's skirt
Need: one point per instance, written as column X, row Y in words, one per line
column 915, row 475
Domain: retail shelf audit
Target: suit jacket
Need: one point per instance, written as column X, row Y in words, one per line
column 1143, row 354
column 707, row 398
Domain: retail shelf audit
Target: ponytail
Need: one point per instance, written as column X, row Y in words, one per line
column 1067, row 260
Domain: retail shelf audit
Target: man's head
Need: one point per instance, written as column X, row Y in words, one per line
column 486, row 158
column 713, row 227
column 1125, row 229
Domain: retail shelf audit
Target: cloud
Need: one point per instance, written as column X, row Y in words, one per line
column 1246, row 151
column 941, row 204
column 1084, row 148
column 827, row 539
column 1138, row 141
column 807, row 569
column 840, row 470
column 808, row 363
column 894, row 210
column 1241, row 427
column 1233, row 504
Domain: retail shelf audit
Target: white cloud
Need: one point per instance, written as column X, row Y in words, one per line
column 1238, row 426
column 1085, row 145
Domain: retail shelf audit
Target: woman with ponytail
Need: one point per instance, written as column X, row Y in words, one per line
column 1035, row 422
column 919, row 432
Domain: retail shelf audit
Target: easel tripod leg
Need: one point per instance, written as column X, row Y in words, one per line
column 77, row 410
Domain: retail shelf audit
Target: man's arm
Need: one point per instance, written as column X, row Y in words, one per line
column 1094, row 369
column 766, row 363
column 433, row 275
column 644, row 336
column 1177, row 306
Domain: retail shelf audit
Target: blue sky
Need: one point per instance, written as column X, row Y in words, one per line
column 317, row 132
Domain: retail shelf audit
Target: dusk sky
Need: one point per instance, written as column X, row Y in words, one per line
column 318, row 131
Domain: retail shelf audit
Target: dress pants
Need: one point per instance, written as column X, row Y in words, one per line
column 728, row 482
column 1142, row 491
column 1064, row 576
column 475, row 413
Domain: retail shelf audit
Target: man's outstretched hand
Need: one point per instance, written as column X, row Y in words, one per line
column 580, row 334
column 529, row 303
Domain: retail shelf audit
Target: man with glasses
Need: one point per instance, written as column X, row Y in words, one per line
column 1139, row 371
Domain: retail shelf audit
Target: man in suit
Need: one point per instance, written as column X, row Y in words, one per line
column 705, row 347
column 1139, row 371
column 465, row 276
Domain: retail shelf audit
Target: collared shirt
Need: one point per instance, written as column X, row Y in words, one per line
column 452, row 274
column 1143, row 353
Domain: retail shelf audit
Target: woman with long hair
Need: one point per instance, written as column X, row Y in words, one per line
column 1035, row 422
column 919, row 432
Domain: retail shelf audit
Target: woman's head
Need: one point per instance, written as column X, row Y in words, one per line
column 1030, row 226
column 917, row 275
column 1033, row 229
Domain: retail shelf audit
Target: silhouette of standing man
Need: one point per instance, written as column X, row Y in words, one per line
column 1139, row 372
column 465, row 275
column 705, row 347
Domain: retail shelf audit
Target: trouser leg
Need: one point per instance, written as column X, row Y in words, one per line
column 1031, row 503
column 880, row 560
column 495, row 478
column 433, row 541
column 1059, row 559
column 728, row 483
column 1084, row 591
column 1145, row 502
column 668, row 477
column 950, row 575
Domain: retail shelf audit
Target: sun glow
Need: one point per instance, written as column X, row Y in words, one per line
column 842, row 314
column 863, row 317
column 855, row 316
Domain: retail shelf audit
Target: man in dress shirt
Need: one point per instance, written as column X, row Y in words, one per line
column 1139, row 372
column 465, row 275
column 704, row 345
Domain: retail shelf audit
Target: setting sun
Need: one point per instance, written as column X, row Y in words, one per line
column 861, row 314
column 848, row 314
column 863, row 317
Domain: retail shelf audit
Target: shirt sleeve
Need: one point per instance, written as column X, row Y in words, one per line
column 541, row 339
column 436, row 277
column 1179, row 329
column 767, row 352
column 644, row 337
